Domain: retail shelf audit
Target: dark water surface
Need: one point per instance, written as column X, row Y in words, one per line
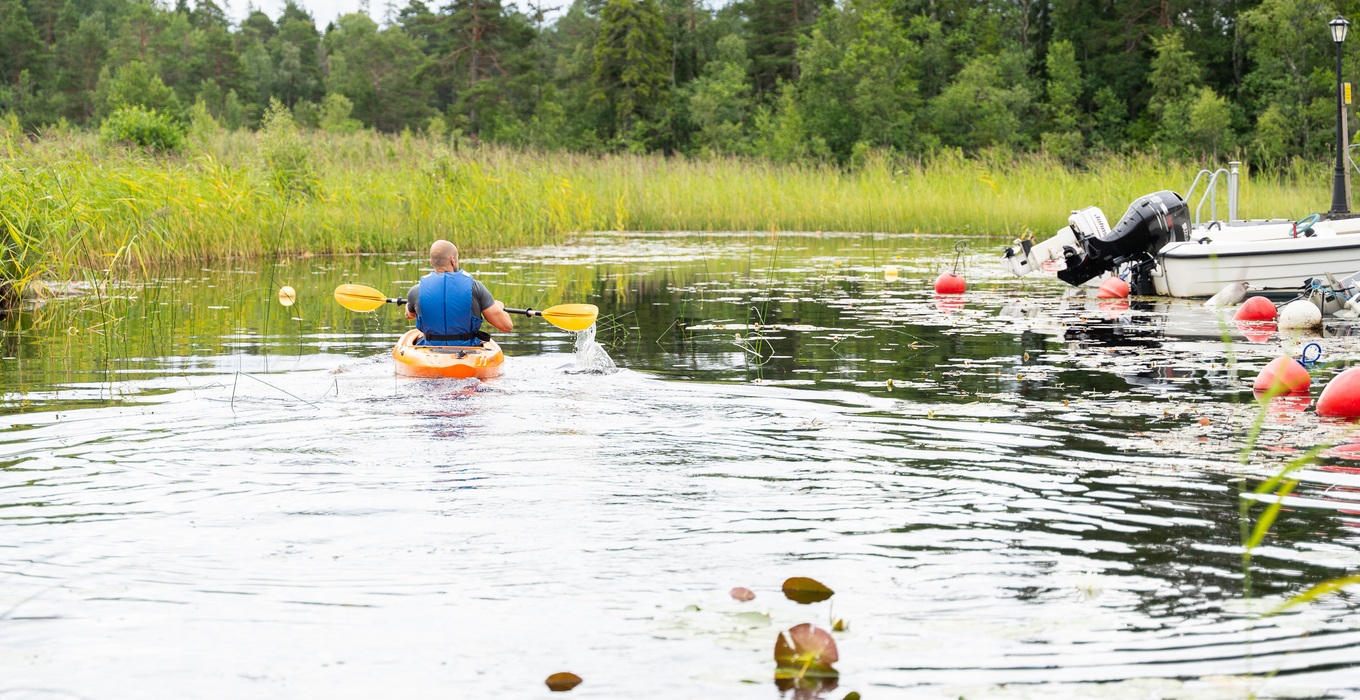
column 1015, row 494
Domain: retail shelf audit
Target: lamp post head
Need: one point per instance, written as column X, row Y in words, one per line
column 1339, row 27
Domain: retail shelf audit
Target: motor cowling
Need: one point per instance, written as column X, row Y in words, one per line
column 1151, row 222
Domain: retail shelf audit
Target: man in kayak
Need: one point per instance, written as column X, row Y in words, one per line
column 448, row 305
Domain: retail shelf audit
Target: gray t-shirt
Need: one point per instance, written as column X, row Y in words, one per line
column 481, row 298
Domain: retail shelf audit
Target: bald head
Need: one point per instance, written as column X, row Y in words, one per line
column 444, row 256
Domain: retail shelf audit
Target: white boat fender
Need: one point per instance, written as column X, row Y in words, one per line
column 1230, row 295
column 1351, row 308
column 1299, row 314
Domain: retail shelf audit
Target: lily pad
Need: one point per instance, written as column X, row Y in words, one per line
column 805, row 651
column 807, row 688
column 753, row 619
column 804, row 590
column 562, row 682
column 742, row 594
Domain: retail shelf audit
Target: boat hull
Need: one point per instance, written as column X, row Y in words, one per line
column 1191, row 269
column 431, row 362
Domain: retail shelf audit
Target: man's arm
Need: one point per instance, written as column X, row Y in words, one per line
column 492, row 311
column 496, row 316
column 411, row 301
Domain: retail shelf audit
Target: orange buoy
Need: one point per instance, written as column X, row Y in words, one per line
column 1341, row 397
column 1113, row 288
column 1284, row 375
column 949, row 283
column 1255, row 309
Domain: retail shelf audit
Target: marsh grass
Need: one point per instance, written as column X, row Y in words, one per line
column 70, row 202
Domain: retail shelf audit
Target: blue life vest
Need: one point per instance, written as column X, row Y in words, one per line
column 444, row 310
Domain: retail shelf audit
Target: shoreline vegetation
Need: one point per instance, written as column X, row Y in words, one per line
column 135, row 132
column 72, row 202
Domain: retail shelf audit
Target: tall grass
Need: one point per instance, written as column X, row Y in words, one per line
column 68, row 201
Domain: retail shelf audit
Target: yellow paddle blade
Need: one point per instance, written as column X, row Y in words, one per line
column 357, row 297
column 572, row 317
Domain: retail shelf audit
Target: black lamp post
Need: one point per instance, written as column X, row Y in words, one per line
column 1339, row 27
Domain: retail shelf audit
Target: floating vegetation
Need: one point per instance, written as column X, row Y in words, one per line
column 562, row 682
column 744, row 595
column 805, row 590
column 805, row 652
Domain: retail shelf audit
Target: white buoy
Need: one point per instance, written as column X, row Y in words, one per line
column 1300, row 313
column 1230, row 295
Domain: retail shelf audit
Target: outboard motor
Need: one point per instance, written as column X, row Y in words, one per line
column 1027, row 255
column 1151, row 222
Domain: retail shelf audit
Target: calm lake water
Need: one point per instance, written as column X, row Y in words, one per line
column 1014, row 494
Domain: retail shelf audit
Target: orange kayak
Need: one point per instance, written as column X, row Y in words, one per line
column 434, row 361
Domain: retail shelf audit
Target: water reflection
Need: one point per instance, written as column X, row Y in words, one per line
column 1012, row 487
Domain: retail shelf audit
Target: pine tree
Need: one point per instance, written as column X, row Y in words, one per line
column 477, row 50
column 775, row 27
column 632, row 68
column 81, row 54
column 721, row 99
column 378, row 71
column 22, row 55
column 1063, row 137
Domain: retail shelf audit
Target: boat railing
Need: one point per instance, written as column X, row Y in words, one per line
column 1211, row 191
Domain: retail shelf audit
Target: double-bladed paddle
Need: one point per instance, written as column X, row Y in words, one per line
column 568, row 317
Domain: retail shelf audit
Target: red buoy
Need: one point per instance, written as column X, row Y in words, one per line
column 1283, row 407
column 948, row 303
column 949, row 283
column 1255, row 309
column 1114, row 308
column 1113, row 288
column 1349, row 450
column 1256, row 331
column 1341, row 397
column 1284, row 375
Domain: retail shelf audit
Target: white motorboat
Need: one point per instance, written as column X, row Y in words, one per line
column 1158, row 251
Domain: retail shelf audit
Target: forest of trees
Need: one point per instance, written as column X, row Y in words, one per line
column 783, row 79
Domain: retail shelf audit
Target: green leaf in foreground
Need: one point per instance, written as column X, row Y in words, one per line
column 804, row 590
column 1322, row 589
column 1268, row 517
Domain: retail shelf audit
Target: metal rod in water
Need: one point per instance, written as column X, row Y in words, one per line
column 1233, row 166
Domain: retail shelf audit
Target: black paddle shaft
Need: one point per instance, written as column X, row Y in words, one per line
column 526, row 312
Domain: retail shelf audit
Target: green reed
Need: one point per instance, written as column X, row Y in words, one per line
column 69, row 202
